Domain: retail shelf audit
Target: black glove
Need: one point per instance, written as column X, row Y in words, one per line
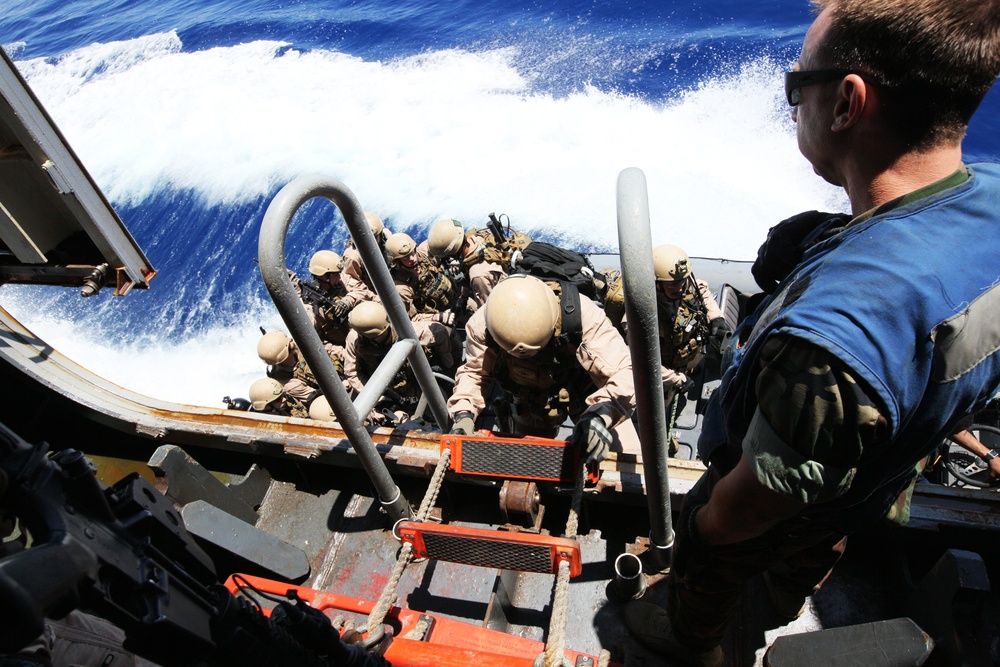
column 464, row 424
column 340, row 308
column 447, row 318
column 718, row 329
column 786, row 242
column 592, row 437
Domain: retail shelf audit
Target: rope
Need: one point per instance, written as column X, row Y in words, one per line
column 556, row 646
column 381, row 608
column 673, row 416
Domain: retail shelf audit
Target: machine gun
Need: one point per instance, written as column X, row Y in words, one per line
column 123, row 553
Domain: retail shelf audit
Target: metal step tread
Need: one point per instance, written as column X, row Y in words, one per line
column 523, row 552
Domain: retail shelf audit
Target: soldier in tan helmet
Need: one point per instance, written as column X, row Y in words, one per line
column 371, row 337
column 267, row 395
column 423, row 284
column 327, row 301
column 359, row 284
column 370, row 340
column 291, row 373
column 688, row 317
column 549, row 366
column 476, row 255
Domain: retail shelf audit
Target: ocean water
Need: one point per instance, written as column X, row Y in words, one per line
column 191, row 114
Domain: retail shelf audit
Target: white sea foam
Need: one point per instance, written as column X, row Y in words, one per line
column 195, row 369
column 449, row 133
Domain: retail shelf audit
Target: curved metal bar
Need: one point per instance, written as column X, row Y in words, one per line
column 644, row 345
column 271, row 255
column 385, row 287
column 383, row 375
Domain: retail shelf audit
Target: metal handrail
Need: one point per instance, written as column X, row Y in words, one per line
column 644, row 346
column 271, row 256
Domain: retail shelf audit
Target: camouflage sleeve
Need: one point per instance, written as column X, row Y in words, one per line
column 712, row 310
column 605, row 357
column 476, row 372
column 351, row 362
column 812, row 423
column 296, row 388
column 357, row 291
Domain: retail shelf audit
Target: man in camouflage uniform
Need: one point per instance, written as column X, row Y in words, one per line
column 688, row 318
column 422, row 284
column 267, row 395
column 356, row 278
column 278, row 351
column 327, row 301
column 520, row 339
column 476, row 257
column 835, row 396
column 369, row 342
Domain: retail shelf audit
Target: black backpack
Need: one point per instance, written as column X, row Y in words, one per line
column 550, row 262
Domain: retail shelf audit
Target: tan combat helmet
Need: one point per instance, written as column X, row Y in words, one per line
column 670, row 263
column 400, row 245
column 445, row 238
column 521, row 314
column 369, row 319
column 263, row 392
column 272, row 348
column 375, row 223
column 324, row 262
column 320, row 410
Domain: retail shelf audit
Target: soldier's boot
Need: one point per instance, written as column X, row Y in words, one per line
column 650, row 625
column 787, row 605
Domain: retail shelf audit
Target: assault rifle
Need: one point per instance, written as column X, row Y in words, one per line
column 123, row 553
column 314, row 296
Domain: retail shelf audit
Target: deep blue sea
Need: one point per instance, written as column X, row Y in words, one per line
column 191, row 115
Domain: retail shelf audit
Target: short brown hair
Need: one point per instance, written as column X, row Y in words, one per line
column 935, row 59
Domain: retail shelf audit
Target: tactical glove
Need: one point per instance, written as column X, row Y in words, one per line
column 680, row 383
column 787, row 241
column 464, row 424
column 446, row 317
column 340, row 308
column 592, row 437
column 718, row 329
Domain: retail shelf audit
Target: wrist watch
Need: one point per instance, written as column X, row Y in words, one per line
column 989, row 456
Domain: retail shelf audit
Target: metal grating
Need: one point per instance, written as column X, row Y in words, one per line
column 517, row 459
column 485, row 553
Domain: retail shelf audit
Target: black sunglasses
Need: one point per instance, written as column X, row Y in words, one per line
column 794, row 81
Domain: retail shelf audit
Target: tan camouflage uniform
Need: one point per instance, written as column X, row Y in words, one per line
column 362, row 356
column 602, row 356
column 680, row 353
column 356, row 280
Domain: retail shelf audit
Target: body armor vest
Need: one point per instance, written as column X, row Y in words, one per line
column 433, row 290
column 683, row 328
column 487, row 249
column 298, row 408
column 371, row 353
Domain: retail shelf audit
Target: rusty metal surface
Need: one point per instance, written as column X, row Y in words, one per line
column 520, row 504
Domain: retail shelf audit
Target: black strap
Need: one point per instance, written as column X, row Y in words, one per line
column 571, row 328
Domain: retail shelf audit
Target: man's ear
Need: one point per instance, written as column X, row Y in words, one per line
column 853, row 97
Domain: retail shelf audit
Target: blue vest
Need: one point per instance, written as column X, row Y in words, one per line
column 910, row 301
